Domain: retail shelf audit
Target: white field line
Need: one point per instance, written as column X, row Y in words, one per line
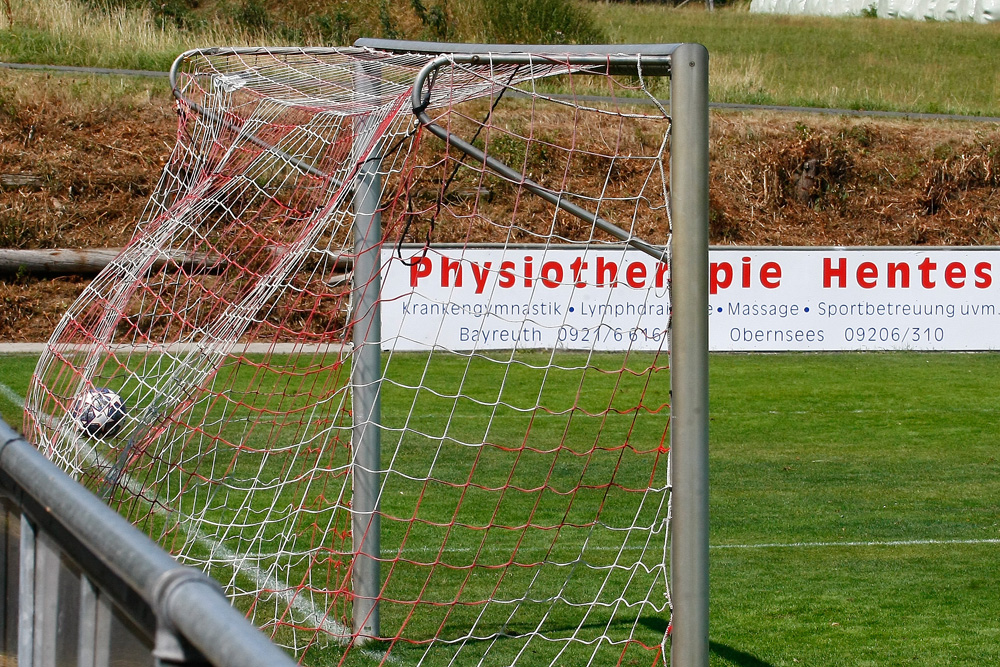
column 770, row 545
column 261, row 579
column 313, row 615
column 871, row 543
column 259, row 575
column 11, row 396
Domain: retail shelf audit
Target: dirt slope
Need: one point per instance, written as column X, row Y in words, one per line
column 77, row 174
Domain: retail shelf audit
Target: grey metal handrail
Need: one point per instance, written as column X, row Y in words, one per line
column 193, row 621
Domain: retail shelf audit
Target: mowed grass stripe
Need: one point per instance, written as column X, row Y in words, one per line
column 855, row 507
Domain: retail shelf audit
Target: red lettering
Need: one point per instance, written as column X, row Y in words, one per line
column 840, row 273
column 552, row 274
column 926, row 267
column 578, row 266
column 635, row 275
column 606, row 269
column 746, row 272
column 899, row 269
column 720, row 276
column 983, row 277
column 954, row 275
column 506, row 274
column 867, row 275
column 661, row 272
column 770, row 275
column 421, row 268
column 479, row 273
column 451, row 267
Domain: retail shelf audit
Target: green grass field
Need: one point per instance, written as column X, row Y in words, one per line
column 876, row 477
column 814, row 61
column 855, row 506
column 477, row 472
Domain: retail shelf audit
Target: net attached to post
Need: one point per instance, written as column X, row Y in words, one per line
column 523, row 409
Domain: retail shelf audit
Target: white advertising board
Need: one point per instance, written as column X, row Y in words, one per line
column 760, row 299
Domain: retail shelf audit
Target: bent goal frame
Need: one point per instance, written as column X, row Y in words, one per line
column 286, row 160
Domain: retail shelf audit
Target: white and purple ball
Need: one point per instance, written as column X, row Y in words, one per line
column 98, row 411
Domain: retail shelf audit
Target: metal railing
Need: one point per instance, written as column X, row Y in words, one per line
column 81, row 586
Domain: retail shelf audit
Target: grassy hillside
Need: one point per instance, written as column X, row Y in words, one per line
column 855, row 62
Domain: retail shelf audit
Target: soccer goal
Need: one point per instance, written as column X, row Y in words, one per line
column 409, row 351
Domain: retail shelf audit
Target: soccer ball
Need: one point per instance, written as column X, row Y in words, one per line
column 98, row 411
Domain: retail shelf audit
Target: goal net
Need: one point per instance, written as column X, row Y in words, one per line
column 392, row 343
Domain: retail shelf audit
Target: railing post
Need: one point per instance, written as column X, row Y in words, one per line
column 26, row 595
column 94, row 644
column 170, row 648
column 47, row 567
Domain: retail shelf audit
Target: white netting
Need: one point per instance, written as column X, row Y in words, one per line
column 523, row 494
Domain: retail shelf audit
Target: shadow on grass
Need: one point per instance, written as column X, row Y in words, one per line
column 736, row 656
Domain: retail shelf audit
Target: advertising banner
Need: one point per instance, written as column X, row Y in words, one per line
column 760, row 299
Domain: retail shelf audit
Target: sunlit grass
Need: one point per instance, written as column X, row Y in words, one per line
column 500, row 480
column 851, row 62
column 66, row 32
column 874, row 478
column 80, row 95
column 855, row 502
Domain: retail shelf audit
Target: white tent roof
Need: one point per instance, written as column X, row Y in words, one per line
column 981, row 11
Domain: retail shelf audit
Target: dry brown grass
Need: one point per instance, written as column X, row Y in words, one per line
column 872, row 183
column 97, row 148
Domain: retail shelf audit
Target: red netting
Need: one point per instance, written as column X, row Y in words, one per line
column 524, row 392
